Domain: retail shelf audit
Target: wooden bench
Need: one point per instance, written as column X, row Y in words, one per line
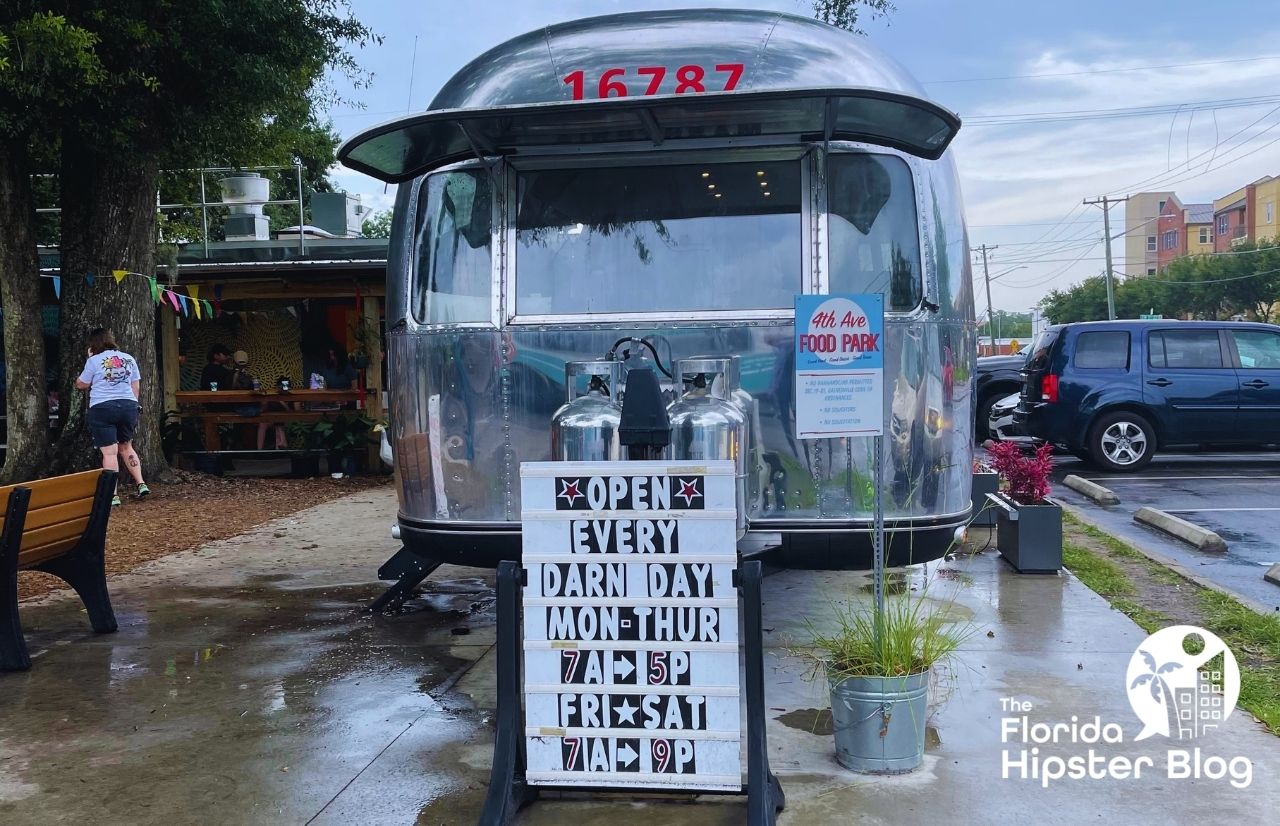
column 58, row 526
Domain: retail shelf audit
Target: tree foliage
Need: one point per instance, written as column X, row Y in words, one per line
column 378, row 225
column 846, row 14
column 1244, row 282
column 113, row 91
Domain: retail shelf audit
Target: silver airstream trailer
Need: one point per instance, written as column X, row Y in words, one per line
column 662, row 185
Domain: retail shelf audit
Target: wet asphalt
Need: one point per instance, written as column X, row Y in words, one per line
column 249, row 684
column 1236, row 495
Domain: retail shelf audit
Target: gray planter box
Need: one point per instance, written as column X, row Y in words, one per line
column 1029, row 536
column 983, row 514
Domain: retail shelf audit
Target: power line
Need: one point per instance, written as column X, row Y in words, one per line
column 1100, row 71
column 1213, row 280
column 1162, row 178
column 1018, row 118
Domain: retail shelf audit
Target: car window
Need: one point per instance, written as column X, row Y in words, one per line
column 1259, row 349
column 1038, row 359
column 1109, row 349
column 1186, row 349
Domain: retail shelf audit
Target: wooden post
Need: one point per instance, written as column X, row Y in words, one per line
column 170, row 369
column 373, row 374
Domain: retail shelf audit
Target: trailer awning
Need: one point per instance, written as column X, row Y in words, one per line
column 408, row 147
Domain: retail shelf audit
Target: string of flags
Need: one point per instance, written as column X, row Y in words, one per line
column 188, row 304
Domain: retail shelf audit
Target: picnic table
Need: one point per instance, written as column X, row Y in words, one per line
column 192, row 405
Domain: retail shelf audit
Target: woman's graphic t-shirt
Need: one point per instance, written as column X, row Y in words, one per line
column 110, row 375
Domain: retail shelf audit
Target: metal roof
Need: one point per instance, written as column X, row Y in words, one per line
column 1199, row 213
column 798, row 77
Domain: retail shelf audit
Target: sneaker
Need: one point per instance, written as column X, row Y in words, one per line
column 115, row 501
column 143, row 491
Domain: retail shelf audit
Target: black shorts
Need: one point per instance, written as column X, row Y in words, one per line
column 113, row 422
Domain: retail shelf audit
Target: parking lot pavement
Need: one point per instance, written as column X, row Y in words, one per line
column 1236, row 495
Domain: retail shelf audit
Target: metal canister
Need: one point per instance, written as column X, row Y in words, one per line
column 752, row 450
column 585, row 428
column 706, row 425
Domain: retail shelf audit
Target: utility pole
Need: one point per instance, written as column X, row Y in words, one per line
column 986, row 276
column 1105, row 202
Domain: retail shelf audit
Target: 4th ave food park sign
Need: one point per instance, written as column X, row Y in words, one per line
column 631, row 672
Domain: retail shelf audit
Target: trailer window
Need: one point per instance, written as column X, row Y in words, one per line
column 875, row 245
column 704, row 237
column 454, row 277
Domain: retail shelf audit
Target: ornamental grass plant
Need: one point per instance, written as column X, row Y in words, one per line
column 913, row 638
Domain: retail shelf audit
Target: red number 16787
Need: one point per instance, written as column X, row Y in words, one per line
column 689, row 79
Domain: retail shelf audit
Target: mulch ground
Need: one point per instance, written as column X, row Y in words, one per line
column 195, row 509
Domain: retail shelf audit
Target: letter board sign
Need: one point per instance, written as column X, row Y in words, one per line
column 631, row 625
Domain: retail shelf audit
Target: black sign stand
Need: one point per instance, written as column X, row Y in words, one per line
column 508, row 790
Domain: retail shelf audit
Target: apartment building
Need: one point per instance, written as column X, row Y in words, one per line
column 1183, row 229
column 1248, row 214
column 1266, row 223
column 1141, row 239
column 1198, row 219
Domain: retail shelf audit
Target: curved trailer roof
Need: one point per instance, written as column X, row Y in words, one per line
column 798, row 77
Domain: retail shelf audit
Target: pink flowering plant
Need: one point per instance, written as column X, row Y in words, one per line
column 1025, row 479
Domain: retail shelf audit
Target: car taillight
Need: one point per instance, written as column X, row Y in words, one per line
column 1049, row 388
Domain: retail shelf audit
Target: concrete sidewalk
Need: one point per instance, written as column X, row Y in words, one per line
column 248, row 684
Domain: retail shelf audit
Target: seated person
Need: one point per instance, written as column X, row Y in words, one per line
column 336, row 374
column 216, row 374
column 242, row 379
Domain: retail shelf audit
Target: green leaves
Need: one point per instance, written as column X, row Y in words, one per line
column 845, row 13
column 1244, row 281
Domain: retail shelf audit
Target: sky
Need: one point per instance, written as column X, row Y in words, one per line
column 1023, row 183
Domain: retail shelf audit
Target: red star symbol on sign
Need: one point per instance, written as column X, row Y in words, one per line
column 689, row 490
column 569, row 491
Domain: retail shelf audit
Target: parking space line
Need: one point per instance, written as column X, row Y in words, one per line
column 1170, row 478
column 1213, row 510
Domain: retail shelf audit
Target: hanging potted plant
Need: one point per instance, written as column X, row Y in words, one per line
column 366, row 336
column 1028, row 522
column 985, row 480
column 879, row 678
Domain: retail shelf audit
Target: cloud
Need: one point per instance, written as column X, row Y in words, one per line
column 1039, row 173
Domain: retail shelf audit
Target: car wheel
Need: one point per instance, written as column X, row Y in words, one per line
column 981, row 431
column 1122, row 442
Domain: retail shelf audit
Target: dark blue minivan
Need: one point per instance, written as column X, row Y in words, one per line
column 1115, row 392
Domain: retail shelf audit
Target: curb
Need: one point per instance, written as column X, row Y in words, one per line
column 1092, row 490
column 1194, row 535
column 1177, row 567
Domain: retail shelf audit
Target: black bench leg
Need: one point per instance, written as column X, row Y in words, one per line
column 13, row 648
column 85, row 567
column 86, row 572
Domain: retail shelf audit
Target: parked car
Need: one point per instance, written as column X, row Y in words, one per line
column 994, row 378
column 1000, row 423
column 1116, row 392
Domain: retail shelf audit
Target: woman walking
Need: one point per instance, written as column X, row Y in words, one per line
column 112, row 379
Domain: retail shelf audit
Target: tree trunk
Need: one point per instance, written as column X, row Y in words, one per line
column 26, row 394
column 108, row 223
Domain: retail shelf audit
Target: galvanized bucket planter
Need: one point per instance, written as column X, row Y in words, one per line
column 1029, row 536
column 879, row 722
column 981, row 513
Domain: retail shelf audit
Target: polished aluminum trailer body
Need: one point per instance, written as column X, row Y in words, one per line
column 534, row 229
